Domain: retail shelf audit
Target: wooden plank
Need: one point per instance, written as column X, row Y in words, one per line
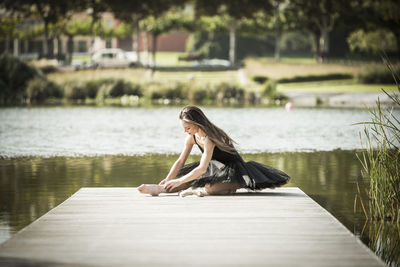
column 121, row 227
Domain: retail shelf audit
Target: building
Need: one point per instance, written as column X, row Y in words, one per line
column 32, row 48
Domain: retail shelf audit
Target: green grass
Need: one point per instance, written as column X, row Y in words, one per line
column 285, row 59
column 170, row 59
column 266, row 66
column 336, row 86
column 143, row 75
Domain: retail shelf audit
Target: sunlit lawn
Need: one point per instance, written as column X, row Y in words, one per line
column 266, row 66
column 143, row 75
column 289, row 67
column 337, row 86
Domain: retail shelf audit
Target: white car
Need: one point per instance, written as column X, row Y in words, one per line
column 114, row 58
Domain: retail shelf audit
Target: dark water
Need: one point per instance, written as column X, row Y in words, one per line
column 31, row 186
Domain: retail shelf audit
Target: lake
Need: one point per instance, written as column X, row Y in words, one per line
column 48, row 153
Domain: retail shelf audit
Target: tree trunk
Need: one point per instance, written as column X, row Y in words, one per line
column 46, row 38
column 70, row 48
column 155, row 37
column 317, row 46
column 16, row 48
column 7, row 45
column 324, row 40
column 146, row 47
column 278, row 34
column 26, row 46
column 135, row 43
column 59, row 49
column 232, row 42
column 278, row 45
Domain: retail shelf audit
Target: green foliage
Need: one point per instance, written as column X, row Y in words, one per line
column 8, row 27
column 270, row 91
column 40, row 89
column 377, row 75
column 375, row 41
column 49, row 69
column 314, row 78
column 14, row 77
column 198, row 95
column 171, row 92
column 382, row 165
column 75, row 92
column 269, row 88
column 229, row 92
column 101, row 89
column 296, row 42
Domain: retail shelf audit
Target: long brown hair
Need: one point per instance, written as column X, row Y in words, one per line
column 194, row 115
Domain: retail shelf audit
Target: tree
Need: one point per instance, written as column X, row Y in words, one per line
column 318, row 17
column 233, row 12
column 382, row 14
column 75, row 27
column 8, row 30
column 157, row 25
column 48, row 11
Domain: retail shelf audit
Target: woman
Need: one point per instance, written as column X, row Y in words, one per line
column 221, row 170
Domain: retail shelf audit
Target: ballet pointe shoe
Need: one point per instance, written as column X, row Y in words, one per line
column 200, row 192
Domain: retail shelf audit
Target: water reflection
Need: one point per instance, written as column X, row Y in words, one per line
column 29, row 187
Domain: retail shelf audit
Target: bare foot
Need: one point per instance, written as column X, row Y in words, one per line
column 152, row 189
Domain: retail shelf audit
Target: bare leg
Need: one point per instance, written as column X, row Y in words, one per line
column 222, row 188
column 155, row 189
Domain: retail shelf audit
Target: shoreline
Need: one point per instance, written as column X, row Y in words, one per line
column 340, row 99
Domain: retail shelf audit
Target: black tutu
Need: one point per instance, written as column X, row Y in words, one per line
column 252, row 175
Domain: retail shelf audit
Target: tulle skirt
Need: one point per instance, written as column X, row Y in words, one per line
column 252, row 175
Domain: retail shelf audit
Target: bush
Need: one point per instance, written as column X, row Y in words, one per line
column 231, row 92
column 92, row 88
column 315, row 78
column 118, row 89
column 271, row 92
column 198, row 95
column 39, row 89
column 173, row 92
column 14, row 77
column 49, row 69
column 75, row 91
column 377, row 75
column 177, row 91
column 269, row 89
column 260, row 79
column 134, row 89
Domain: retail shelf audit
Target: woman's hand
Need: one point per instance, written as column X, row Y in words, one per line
column 163, row 181
column 172, row 184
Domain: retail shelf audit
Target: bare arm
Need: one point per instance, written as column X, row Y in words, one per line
column 199, row 170
column 181, row 160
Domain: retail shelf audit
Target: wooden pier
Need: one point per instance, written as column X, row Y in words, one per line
column 121, row 227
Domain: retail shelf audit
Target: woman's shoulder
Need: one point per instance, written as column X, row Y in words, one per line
column 208, row 142
column 189, row 140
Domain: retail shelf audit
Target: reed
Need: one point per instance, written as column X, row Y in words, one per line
column 381, row 159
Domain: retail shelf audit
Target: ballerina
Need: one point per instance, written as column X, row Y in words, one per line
column 221, row 170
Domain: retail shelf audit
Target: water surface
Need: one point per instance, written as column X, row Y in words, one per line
column 48, row 153
column 93, row 131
